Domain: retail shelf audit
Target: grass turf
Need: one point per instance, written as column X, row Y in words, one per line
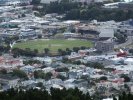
column 53, row 45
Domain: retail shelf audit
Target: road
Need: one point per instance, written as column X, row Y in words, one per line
column 128, row 42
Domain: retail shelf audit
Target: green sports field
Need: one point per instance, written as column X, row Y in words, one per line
column 53, row 45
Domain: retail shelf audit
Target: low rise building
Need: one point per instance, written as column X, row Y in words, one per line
column 9, row 80
column 104, row 46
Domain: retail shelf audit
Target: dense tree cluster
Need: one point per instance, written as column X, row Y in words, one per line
column 34, row 94
column 19, row 73
column 124, row 96
column 120, row 37
column 104, row 78
column 95, row 65
column 42, row 75
column 126, row 78
column 32, row 53
column 31, row 62
column 35, row 2
column 100, row 14
column 74, row 10
column 59, row 7
column 63, row 69
column 27, row 52
column 4, row 49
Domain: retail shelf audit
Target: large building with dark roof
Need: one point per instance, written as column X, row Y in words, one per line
column 126, row 5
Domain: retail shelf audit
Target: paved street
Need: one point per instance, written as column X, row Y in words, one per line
column 128, row 42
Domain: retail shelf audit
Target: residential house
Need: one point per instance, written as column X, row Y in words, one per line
column 75, row 74
column 63, row 74
column 47, row 69
column 125, row 27
column 131, row 75
column 75, row 56
column 27, row 83
column 10, row 62
column 46, row 60
column 55, row 81
column 27, row 34
column 28, row 69
column 72, row 75
column 81, row 83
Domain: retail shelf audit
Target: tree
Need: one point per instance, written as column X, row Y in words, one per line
column 23, row 15
column 126, row 78
column 8, row 40
column 43, row 66
column 35, row 51
column 40, row 84
column 48, row 76
column 39, row 36
column 42, row 75
column 73, row 14
column 114, row 98
column 127, row 87
column 98, row 52
column 46, row 50
column 65, row 60
column 117, row 0
column 15, row 38
column 35, row 2
column 103, row 78
column 130, row 51
column 85, row 77
column 61, row 77
column 60, row 51
column 36, row 74
column 97, row 65
column 63, row 69
column 77, row 62
column 67, row 49
column 75, row 10
column 19, row 73
column 84, row 14
column 65, row 1
column 3, row 71
column 76, row 49
column 42, row 94
column 83, row 48
column 121, row 37
column 31, row 61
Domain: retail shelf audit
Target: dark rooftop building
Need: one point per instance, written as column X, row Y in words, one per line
column 126, row 5
column 89, row 34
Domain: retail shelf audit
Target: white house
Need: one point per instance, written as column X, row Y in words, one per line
column 48, row 69
column 27, row 69
column 46, row 60
column 129, row 61
column 56, row 81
